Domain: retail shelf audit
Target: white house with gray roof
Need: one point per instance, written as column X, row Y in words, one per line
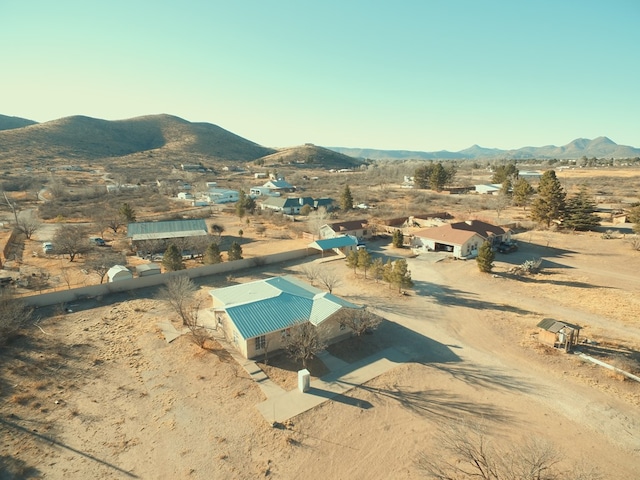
column 258, row 316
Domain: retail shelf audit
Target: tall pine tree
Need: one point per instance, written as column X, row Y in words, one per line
column 550, row 204
column 579, row 212
column 346, row 200
column 522, row 193
column 172, row 259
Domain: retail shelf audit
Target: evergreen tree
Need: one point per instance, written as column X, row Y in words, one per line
column 387, row 272
column 240, row 208
column 401, row 276
column 579, row 212
column 505, row 172
column 364, row 260
column 235, row 252
column 346, row 200
column 127, row 213
column 212, row 255
column 352, row 260
column 245, row 204
column 507, row 188
column 398, row 239
column 422, row 176
column 550, row 203
column 172, row 259
column 438, row 177
column 377, row 269
column 485, row 257
column 522, row 193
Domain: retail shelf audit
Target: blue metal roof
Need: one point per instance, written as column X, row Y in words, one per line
column 266, row 306
column 336, row 242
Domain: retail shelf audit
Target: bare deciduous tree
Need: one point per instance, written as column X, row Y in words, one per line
column 310, row 272
column 180, row 293
column 329, row 279
column 467, row 452
column 304, row 342
column 71, row 240
column 28, row 224
column 359, row 321
column 14, row 314
column 317, row 219
column 108, row 219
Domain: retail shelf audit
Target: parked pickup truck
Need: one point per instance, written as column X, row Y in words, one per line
column 507, row 247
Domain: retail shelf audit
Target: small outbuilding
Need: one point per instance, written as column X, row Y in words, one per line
column 558, row 334
column 148, row 269
column 119, row 272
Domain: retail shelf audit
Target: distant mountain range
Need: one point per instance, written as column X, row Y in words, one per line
column 169, row 139
column 601, row 147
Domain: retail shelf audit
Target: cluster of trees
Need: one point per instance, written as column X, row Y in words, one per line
column 434, row 175
column 245, row 204
column 552, row 205
column 172, row 259
column 394, row 273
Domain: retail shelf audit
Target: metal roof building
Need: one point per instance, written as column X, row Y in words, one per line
column 276, row 304
column 167, row 229
column 337, row 242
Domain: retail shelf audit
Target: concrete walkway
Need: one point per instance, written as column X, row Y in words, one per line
column 279, row 408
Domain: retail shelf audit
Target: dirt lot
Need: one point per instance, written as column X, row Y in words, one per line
column 98, row 393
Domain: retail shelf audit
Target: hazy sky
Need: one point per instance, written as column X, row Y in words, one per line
column 410, row 75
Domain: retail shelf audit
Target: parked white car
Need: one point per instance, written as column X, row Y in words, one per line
column 47, row 247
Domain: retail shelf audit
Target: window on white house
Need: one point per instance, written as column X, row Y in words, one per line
column 261, row 342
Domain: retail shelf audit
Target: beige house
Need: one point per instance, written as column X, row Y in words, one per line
column 258, row 316
column 462, row 239
column 356, row 228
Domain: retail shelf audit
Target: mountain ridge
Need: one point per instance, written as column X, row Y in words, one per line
column 600, row 147
column 89, row 138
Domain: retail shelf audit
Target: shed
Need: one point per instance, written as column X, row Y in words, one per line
column 147, row 269
column 558, row 334
column 119, row 272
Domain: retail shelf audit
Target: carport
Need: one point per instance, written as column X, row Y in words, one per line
column 342, row 244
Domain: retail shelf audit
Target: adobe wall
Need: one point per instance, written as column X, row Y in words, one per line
column 75, row 294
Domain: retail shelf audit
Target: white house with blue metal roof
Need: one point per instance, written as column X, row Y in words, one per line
column 258, row 316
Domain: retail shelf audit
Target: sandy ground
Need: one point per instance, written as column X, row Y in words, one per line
column 98, row 393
